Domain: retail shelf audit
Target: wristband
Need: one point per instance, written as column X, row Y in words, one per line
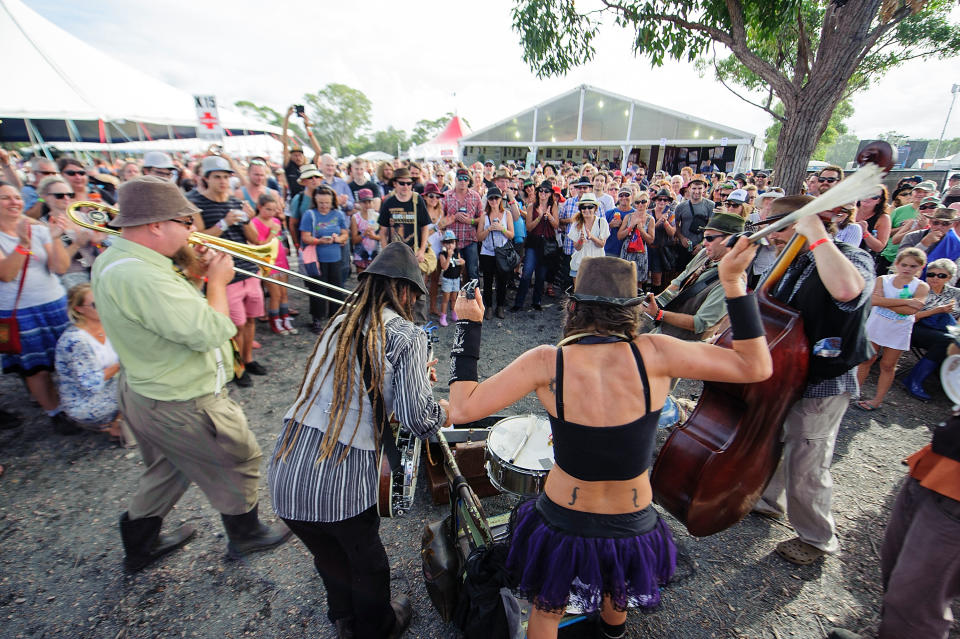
column 222, row 224
column 22, row 251
column 819, row 242
column 659, row 316
column 465, row 352
column 745, row 317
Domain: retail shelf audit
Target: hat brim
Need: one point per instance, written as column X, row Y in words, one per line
column 600, row 299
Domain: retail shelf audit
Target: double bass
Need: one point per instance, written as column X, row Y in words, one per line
column 714, row 467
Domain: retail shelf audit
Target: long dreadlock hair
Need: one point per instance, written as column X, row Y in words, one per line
column 363, row 308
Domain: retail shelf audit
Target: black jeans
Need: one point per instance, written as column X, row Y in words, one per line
column 934, row 340
column 328, row 272
column 353, row 564
column 488, row 267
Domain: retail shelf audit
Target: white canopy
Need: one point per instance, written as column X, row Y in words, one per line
column 240, row 146
column 48, row 78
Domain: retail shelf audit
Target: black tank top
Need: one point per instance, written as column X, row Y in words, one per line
column 604, row 453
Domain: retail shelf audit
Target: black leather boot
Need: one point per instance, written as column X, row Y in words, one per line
column 143, row 542
column 248, row 534
column 403, row 612
column 344, row 628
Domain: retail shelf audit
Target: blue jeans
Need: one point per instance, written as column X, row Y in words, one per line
column 471, row 259
column 533, row 262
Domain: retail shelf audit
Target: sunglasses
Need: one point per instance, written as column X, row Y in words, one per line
column 941, row 276
column 494, row 197
column 588, row 207
column 404, row 182
column 927, row 207
column 71, row 172
column 828, row 180
column 941, row 223
column 710, row 238
column 434, row 196
column 544, row 191
column 641, row 201
column 60, row 196
column 733, row 205
column 662, row 199
column 463, row 178
column 186, row 223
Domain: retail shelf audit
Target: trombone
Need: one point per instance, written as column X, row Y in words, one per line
column 263, row 255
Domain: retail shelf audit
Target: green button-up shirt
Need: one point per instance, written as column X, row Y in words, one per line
column 172, row 345
column 714, row 305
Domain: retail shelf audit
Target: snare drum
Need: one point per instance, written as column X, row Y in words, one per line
column 519, row 454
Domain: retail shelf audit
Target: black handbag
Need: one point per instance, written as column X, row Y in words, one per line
column 550, row 247
column 507, row 257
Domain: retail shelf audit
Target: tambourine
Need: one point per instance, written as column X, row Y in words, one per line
column 950, row 378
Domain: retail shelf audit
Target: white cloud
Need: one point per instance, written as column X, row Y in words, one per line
column 409, row 58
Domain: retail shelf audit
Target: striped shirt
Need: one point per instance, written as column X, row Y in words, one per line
column 305, row 489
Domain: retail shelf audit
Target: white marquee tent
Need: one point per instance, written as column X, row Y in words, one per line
column 50, row 97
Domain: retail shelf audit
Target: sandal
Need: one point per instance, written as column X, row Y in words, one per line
column 865, row 405
column 799, row 552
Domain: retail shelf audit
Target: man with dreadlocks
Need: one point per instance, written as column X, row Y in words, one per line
column 324, row 472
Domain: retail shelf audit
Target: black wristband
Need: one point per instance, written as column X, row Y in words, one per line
column 465, row 352
column 745, row 317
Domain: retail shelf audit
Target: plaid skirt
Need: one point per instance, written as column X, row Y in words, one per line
column 40, row 328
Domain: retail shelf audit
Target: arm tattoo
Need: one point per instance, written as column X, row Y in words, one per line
column 635, row 504
column 573, row 496
column 553, row 386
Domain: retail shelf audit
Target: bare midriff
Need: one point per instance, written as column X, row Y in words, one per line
column 601, row 497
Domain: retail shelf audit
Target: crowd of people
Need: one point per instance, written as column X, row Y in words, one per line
column 106, row 320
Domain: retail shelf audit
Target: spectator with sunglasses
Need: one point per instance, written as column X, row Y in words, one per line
column 588, row 233
column 941, row 309
column 76, row 174
column 827, row 177
column 873, row 216
column 542, row 220
column 938, row 239
column 81, row 244
column 903, row 221
column 40, row 168
column 462, row 209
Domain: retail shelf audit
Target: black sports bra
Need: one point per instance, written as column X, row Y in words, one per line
column 604, row 453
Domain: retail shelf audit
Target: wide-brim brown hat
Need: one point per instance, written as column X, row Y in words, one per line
column 149, row 199
column 606, row 280
column 943, row 213
column 397, row 261
column 784, row 206
column 402, row 173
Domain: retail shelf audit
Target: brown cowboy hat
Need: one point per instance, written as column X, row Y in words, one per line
column 607, row 280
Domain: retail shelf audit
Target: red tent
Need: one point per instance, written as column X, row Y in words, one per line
column 445, row 145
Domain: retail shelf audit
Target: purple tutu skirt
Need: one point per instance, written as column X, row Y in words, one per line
column 560, row 557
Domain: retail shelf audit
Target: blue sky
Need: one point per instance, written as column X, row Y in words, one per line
column 411, row 58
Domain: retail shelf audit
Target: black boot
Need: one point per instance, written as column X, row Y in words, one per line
column 403, row 612
column 143, row 542
column 248, row 534
column 344, row 628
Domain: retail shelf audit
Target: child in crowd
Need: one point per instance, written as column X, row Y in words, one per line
column 896, row 299
column 450, row 266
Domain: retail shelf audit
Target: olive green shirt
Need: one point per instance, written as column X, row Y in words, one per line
column 172, row 344
column 714, row 306
column 900, row 215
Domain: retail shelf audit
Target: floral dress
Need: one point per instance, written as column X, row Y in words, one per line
column 85, row 396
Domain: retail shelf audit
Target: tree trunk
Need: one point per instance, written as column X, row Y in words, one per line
column 805, row 122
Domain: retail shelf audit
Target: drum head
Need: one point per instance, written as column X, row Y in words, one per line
column 950, row 377
column 506, row 436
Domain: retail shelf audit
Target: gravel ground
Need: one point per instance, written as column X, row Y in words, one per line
column 60, row 551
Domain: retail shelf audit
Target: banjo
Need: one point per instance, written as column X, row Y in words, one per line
column 398, row 485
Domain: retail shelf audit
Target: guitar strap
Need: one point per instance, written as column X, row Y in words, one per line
column 387, row 444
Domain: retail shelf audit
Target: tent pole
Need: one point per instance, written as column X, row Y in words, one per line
column 74, row 134
column 39, row 138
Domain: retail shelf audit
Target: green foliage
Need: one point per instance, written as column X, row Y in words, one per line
column 843, row 150
column 835, row 129
column 339, row 117
column 387, row 141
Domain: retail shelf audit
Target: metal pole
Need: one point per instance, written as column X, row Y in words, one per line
column 954, row 90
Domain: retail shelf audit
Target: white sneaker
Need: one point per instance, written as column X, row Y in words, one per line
column 288, row 325
column 276, row 325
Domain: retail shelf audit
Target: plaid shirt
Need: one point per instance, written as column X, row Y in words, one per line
column 466, row 233
column 568, row 209
column 847, row 382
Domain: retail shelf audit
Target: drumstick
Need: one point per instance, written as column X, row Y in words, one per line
column 523, row 442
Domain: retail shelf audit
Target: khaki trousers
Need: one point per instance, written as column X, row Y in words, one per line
column 802, row 486
column 205, row 441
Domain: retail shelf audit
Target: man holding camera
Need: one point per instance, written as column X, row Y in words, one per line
column 293, row 157
column 222, row 215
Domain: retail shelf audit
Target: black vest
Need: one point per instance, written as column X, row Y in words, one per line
column 823, row 319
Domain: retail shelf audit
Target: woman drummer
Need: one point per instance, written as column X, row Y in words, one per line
column 592, row 536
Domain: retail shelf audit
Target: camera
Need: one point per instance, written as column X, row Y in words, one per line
column 298, row 108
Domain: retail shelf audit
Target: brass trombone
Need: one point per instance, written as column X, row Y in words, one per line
column 263, row 255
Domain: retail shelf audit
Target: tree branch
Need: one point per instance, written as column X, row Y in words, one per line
column 736, row 42
column 766, row 108
column 801, row 68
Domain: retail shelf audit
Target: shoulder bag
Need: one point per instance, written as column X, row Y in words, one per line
column 429, row 263
column 9, row 328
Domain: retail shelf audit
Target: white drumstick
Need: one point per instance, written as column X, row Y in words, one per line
column 523, row 442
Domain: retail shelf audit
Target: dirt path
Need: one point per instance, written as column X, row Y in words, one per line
column 60, row 552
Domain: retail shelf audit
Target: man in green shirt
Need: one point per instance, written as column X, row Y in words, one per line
column 900, row 215
column 174, row 350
